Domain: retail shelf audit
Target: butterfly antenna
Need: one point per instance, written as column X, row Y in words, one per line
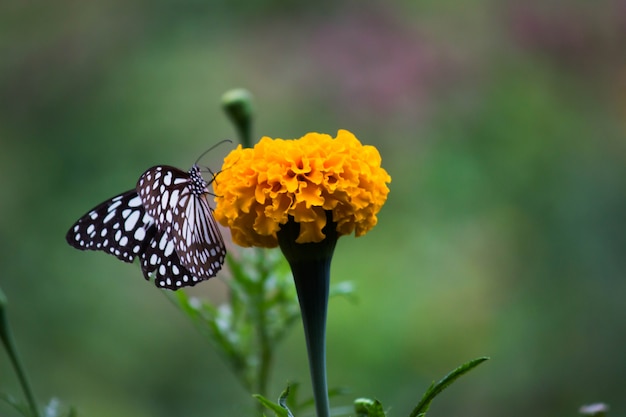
column 211, row 148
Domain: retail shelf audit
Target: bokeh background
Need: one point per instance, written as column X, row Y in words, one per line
column 501, row 123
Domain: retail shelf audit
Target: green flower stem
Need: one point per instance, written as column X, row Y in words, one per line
column 265, row 361
column 312, row 282
column 237, row 104
column 310, row 265
column 265, row 345
column 9, row 345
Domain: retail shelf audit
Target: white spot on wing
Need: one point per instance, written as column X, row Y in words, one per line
column 167, row 179
column 109, row 216
column 169, row 248
column 140, row 234
column 131, row 221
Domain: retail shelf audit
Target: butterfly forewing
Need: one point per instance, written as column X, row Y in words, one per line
column 177, row 201
column 118, row 226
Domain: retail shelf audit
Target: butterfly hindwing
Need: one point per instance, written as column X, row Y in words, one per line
column 161, row 260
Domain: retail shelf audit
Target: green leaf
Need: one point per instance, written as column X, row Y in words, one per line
column 276, row 408
column 364, row 407
column 238, row 274
column 282, row 400
column 436, row 389
column 280, row 409
column 292, row 398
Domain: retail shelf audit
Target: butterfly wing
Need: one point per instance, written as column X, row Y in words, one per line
column 120, row 226
column 200, row 244
column 177, row 201
column 161, row 260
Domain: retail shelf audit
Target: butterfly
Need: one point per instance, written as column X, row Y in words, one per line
column 166, row 222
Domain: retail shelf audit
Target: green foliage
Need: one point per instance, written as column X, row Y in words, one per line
column 260, row 311
column 364, row 407
column 436, row 388
column 27, row 408
column 280, row 409
column 289, row 405
column 262, row 308
column 54, row 408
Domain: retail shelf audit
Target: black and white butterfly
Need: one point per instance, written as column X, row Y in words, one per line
column 166, row 221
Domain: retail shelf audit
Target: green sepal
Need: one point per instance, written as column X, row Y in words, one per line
column 436, row 388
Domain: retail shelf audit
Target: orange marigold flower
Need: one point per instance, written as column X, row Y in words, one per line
column 261, row 188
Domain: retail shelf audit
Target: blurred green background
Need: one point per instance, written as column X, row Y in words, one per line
column 501, row 123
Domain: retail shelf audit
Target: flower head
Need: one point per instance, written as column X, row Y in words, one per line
column 261, row 188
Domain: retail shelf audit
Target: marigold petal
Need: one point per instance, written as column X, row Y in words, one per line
column 311, row 231
column 261, row 188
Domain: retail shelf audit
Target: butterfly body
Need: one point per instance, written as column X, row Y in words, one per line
column 166, row 222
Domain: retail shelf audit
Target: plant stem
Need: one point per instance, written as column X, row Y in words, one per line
column 265, row 348
column 313, row 298
column 9, row 345
column 310, row 265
